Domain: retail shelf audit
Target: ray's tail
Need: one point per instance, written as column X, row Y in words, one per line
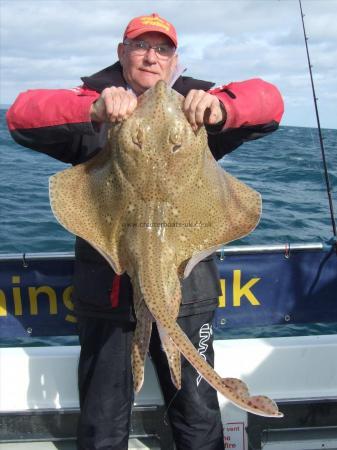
column 152, row 280
column 233, row 389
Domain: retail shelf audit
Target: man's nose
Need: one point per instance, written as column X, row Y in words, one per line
column 150, row 56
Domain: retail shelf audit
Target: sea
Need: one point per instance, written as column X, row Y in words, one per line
column 285, row 167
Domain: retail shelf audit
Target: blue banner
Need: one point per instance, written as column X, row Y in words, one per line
column 36, row 298
column 257, row 290
column 269, row 289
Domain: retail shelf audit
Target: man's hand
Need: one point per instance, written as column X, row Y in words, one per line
column 113, row 105
column 202, row 108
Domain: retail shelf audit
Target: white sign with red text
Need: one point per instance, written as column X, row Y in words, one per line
column 234, row 435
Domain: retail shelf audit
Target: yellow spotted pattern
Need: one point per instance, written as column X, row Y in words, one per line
column 154, row 202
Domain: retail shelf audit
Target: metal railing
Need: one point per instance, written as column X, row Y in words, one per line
column 226, row 250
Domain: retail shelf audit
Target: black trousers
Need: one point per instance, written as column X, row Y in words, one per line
column 106, row 387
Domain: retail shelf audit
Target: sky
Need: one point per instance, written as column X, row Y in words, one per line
column 52, row 43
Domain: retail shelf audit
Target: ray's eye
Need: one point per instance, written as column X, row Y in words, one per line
column 138, row 136
column 175, row 140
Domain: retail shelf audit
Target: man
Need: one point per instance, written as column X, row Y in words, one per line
column 71, row 125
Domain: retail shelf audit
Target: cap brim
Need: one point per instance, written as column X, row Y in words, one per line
column 136, row 33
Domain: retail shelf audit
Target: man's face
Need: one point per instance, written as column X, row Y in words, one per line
column 142, row 71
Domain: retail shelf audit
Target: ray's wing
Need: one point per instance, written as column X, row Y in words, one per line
column 86, row 201
column 217, row 210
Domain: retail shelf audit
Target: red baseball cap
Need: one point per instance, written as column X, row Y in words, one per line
column 154, row 22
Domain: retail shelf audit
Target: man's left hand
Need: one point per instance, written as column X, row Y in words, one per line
column 202, row 108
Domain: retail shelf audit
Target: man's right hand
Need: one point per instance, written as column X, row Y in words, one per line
column 113, row 105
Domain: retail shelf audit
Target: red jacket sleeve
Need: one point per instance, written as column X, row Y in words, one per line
column 50, row 107
column 254, row 109
column 52, row 120
column 251, row 102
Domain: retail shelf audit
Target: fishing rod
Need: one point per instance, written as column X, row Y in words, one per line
column 326, row 173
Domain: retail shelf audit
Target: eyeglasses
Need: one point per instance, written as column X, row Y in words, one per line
column 163, row 51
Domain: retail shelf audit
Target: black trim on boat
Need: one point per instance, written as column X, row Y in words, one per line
column 311, row 422
column 60, row 425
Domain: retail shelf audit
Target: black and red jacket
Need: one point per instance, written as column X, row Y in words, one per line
column 57, row 123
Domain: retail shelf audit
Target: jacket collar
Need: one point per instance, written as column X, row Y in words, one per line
column 110, row 76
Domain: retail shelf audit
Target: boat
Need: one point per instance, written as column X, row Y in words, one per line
column 275, row 328
column 287, row 286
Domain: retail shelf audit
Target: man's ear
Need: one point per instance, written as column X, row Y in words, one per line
column 174, row 63
column 121, row 52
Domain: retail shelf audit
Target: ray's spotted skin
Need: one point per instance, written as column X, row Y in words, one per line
column 154, row 203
